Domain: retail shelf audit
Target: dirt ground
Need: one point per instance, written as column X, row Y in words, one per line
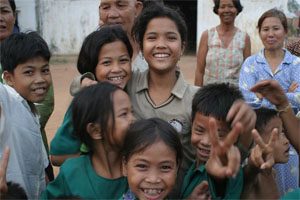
column 63, row 69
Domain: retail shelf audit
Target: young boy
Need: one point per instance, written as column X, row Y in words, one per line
column 217, row 159
column 25, row 62
column 271, row 147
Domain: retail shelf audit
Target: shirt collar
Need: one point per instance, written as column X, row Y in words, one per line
column 288, row 59
column 178, row 89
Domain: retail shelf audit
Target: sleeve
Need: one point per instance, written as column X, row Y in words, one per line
column 294, row 97
column 76, row 83
column 57, row 188
column 248, row 79
column 64, row 141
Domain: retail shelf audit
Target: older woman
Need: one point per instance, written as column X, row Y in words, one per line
column 274, row 62
column 223, row 48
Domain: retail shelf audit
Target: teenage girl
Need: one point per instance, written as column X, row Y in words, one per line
column 101, row 117
column 106, row 55
column 152, row 154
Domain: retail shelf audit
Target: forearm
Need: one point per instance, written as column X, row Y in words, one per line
column 199, row 79
column 58, row 160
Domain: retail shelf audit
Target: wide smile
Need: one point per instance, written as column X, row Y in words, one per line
column 152, row 193
column 204, row 153
column 40, row 90
column 161, row 55
column 116, row 79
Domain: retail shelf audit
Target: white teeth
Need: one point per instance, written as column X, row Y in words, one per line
column 39, row 90
column 153, row 191
column 161, row 55
column 117, row 78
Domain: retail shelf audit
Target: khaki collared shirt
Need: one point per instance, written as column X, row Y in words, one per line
column 176, row 110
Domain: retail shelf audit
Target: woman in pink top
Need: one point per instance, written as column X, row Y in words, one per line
column 223, row 48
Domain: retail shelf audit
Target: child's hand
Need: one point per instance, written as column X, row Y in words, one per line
column 3, row 167
column 225, row 158
column 87, row 82
column 262, row 154
column 243, row 113
column 201, row 192
column 293, row 87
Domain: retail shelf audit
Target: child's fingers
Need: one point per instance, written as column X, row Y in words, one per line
column 213, row 133
column 233, row 135
column 4, row 160
column 274, row 137
column 234, row 162
column 258, row 140
column 269, row 163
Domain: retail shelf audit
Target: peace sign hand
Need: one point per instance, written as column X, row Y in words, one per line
column 3, row 167
column 262, row 154
column 225, row 158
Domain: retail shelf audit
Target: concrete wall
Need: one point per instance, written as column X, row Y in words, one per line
column 246, row 20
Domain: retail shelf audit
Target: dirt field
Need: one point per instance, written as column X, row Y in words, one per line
column 63, row 70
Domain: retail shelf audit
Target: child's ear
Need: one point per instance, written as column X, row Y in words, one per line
column 183, row 45
column 9, row 78
column 94, row 131
column 124, row 167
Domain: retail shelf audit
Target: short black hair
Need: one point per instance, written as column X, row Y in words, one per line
column 237, row 4
column 14, row 191
column 93, row 104
column 264, row 115
column 18, row 48
column 145, row 132
column 215, row 100
column 158, row 10
column 91, row 46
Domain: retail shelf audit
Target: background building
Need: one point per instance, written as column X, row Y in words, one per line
column 65, row 23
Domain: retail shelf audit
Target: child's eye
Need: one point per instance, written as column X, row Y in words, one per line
column 104, row 7
column 46, row 71
column 166, row 168
column 199, row 131
column 28, row 72
column 124, row 60
column 141, row 167
column 105, row 63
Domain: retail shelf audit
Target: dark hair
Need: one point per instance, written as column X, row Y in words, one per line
column 14, row 191
column 237, row 4
column 91, row 46
column 93, row 104
column 18, row 48
column 12, row 5
column 158, row 10
column 145, row 132
column 273, row 13
column 264, row 115
column 215, row 100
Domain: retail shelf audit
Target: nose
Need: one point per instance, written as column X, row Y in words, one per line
column 206, row 140
column 284, row 139
column 116, row 67
column 161, row 42
column 39, row 78
column 113, row 13
column 153, row 177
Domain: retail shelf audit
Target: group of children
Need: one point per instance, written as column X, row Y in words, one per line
column 134, row 135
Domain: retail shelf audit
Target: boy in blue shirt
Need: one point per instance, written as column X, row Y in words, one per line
column 25, row 62
column 217, row 158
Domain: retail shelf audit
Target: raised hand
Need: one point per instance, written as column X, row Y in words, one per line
column 201, row 192
column 225, row 158
column 262, row 154
column 3, row 168
column 87, row 82
column 271, row 90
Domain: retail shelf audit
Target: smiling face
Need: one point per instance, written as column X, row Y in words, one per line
column 200, row 136
column 227, row 11
column 31, row 79
column 281, row 147
column 7, row 19
column 162, row 45
column 114, row 64
column 123, row 119
column 272, row 33
column 121, row 12
column 152, row 172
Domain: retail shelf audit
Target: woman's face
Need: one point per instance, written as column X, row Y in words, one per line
column 7, row 19
column 227, row 11
column 272, row 33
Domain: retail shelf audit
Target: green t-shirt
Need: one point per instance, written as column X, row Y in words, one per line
column 77, row 178
column 295, row 194
column 64, row 141
column 195, row 176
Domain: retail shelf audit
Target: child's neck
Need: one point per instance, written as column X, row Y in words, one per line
column 160, row 86
column 32, row 108
column 107, row 164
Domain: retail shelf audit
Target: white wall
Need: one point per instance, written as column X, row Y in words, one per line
column 26, row 14
column 246, row 20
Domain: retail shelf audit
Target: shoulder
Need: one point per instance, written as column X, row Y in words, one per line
column 75, row 165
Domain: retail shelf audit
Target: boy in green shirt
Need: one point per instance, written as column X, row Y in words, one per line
column 217, row 158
